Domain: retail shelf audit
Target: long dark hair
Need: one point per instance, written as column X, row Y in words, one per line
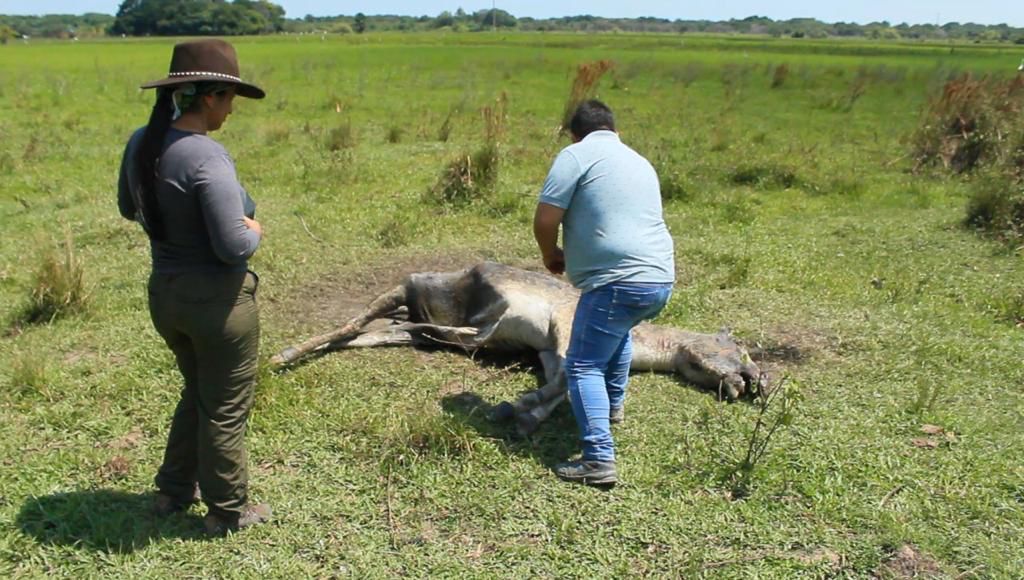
column 146, row 159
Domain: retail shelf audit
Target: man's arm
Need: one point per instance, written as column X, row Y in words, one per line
column 546, row 221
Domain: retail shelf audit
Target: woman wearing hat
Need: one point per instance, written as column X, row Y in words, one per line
column 181, row 186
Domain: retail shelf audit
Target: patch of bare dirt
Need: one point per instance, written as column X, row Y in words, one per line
column 909, row 562
column 330, row 300
column 820, row 556
column 793, row 345
column 129, row 440
column 115, row 469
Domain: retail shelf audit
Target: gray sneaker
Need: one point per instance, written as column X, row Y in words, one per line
column 617, row 415
column 219, row 524
column 587, row 472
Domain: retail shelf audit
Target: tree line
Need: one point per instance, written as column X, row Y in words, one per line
column 238, row 17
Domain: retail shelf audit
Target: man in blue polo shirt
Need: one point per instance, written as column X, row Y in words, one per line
column 619, row 253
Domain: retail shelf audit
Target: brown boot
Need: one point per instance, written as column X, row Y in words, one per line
column 219, row 524
column 165, row 505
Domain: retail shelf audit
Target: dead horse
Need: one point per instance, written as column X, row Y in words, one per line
column 498, row 307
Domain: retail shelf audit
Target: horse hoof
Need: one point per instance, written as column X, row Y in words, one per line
column 502, row 412
column 526, row 424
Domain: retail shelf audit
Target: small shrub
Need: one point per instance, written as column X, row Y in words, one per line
column 721, row 137
column 969, row 122
column 58, row 288
column 396, row 233
column 674, row 185
column 394, row 134
column 674, row 182
column 996, row 206
column 33, row 149
column 472, row 176
column 6, row 163
column 769, row 176
column 780, row 75
column 776, row 409
column 854, row 91
column 277, row 134
column 444, row 132
column 584, row 87
column 687, row 74
column 928, row 391
column 30, row 375
column 847, row 186
column 1010, row 309
column 341, row 137
column 738, row 212
column 467, row 177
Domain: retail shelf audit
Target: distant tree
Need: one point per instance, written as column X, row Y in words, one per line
column 7, row 33
column 494, row 17
column 444, row 19
column 272, row 14
column 197, row 17
column 359, row 24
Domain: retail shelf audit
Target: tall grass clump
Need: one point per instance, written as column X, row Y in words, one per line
column 996, row 206
column 584, row 87
column 970, row 122
column 444, row 132
column 58, row 288
column 472, row 175
column 854, row 91
column 341, row 137
column 394, row 134
column 780, row 75
column 30, row 375
column 764, row 176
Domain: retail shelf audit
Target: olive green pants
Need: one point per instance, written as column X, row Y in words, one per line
column 210, row 321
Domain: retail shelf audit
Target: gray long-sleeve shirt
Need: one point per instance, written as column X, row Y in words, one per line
column 200, row 201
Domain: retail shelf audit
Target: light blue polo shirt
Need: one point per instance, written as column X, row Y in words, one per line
column 613, row 229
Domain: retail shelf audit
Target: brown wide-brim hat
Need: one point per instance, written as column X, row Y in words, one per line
column 207, row 60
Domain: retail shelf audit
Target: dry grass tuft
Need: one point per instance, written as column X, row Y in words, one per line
column 780, row 75
column 584, row 87
column 341, row 137
column 472, row 176
column 58, row 288
column 969, row 122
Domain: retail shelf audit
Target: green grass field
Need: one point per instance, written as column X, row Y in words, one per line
column 797, row 223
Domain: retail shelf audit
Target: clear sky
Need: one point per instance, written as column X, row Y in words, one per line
column 862, row 11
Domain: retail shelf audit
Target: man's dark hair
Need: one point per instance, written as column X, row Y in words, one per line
column 590, row 116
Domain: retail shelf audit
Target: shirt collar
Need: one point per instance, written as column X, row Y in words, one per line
column 602, row 134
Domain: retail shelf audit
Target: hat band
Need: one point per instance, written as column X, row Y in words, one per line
column 205, row 73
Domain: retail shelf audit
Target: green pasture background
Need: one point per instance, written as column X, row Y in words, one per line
column 797, row 223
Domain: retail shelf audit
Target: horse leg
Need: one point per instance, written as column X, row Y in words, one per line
column 388, row 302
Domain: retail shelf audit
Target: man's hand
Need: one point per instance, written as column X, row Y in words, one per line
column 555, row 262
column 253, row 225
column 546, row 222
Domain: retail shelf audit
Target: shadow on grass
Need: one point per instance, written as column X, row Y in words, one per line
column 102, row 520
column 552, row 443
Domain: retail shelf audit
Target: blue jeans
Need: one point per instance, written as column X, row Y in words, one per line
column 600, row 350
